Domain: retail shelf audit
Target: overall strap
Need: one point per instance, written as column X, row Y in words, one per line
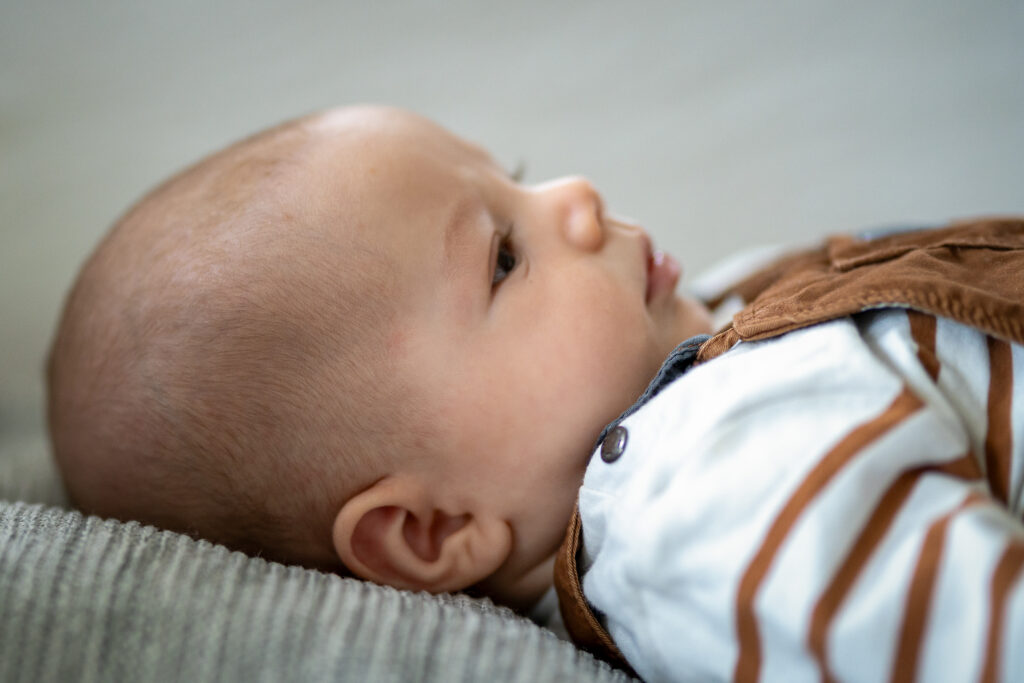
column 971, row 272
column 580, row 621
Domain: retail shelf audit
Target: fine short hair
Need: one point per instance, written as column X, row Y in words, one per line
column 217, row 369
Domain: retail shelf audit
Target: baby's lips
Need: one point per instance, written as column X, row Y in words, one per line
column 663, row 273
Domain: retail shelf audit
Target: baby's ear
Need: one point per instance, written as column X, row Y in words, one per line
column 398, row 534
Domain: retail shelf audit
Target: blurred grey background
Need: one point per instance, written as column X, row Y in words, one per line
column 718, row 125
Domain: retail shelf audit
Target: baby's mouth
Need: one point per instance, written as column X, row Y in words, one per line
column 663, row 272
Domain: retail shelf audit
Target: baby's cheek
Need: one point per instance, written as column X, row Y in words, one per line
column 622, row 332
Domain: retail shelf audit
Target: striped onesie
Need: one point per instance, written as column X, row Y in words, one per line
column 848, row 507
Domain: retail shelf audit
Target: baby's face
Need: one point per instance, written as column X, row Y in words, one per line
column 528, row 316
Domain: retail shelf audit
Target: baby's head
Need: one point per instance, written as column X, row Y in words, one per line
column 355, row 341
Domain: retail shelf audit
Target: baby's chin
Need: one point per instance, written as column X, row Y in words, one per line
column 690, row 317
column 698, row 316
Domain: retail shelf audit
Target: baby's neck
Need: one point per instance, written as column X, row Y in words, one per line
column 522, row 594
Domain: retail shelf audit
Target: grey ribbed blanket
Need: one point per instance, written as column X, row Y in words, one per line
column 83, row 599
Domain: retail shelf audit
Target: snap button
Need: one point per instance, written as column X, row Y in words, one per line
column 614, row 445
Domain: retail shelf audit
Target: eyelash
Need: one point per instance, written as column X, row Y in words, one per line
column 518, row 173
column 503, row 269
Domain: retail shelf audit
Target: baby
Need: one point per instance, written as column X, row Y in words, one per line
column 354, row 342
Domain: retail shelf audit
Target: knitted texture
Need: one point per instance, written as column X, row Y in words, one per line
column 87, row 599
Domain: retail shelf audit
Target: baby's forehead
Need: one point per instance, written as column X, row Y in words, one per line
column 387, row 136
column 364, row 169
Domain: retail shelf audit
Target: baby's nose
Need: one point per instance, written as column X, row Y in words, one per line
column 584, row 214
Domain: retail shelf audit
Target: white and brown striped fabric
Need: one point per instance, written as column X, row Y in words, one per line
column 843, row 502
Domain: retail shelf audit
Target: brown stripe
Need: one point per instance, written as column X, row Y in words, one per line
column 999, row 436
column 870, row 536
column 966, row 467
column 922, row 329
column 748, row 662
column 1003, row 578
column 915, row 614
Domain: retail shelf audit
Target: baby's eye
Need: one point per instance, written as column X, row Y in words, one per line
column 504, row 262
